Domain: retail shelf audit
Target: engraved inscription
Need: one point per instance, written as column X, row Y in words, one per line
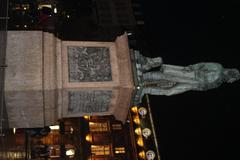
column 89, row 101
column 89, row 64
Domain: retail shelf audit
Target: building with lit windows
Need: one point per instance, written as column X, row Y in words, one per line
column 104, row 138
column 95, row 138
column 90, row 138
column 32, row 15
column 100, row 20
column 86, row 138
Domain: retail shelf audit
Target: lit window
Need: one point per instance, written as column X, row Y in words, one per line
column 98, row 127
column 116, row 126
column 99, row 150
column 25, row 6
column 70, row 153
column 56, row 127
column 40, row 6
column 86, row 117
column 12, row 155
column 88, row 138
column 119, row 150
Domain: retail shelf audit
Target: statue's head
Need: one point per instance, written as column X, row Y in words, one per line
column 231, row 75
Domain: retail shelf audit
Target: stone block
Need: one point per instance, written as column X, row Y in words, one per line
column 54, row 79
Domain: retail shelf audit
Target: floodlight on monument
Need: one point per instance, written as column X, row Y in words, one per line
column 142, row 154
column 140, row 141
column 150, row 155
column 138, row 131
column 146, row 132
column 136, row 120
column 134, row 109
column 142, row 111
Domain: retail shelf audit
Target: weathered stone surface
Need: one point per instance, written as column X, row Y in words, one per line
column 89, row 64
column 23, row 80
column 24, row 61
column 89, row 101
column 25, row 109
column 44, row 83
column 121, row 84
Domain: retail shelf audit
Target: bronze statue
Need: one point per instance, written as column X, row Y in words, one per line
column 171, row 79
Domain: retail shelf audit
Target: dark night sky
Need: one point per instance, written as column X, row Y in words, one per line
column 196, row 125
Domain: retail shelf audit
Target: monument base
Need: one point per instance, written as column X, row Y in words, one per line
column 48, row 79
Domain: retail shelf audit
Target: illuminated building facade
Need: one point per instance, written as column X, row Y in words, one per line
column 32, row 15
column 85, row 20
column 89, row 138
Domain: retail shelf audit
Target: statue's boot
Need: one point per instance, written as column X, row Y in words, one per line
column 151, row 63
column 147, row 63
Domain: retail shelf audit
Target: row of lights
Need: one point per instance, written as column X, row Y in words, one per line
column 40, row 6
column 146, row 132
column 88, row 137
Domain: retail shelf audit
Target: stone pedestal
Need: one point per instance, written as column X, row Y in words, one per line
column 48, row 79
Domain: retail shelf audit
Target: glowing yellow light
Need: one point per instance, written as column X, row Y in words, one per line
column 140, row 141
column 40, row 6
column 136, row 120
column 68, row 16
column 25, row 8
column 55, row 10
column 86, row 117
column 142, row 154
column 14, row 130
column 138, row 131
column 119, row 150
column 134, row 109
column 88, row 138
column 70, row 152
column 71, row 129
column 56, row 127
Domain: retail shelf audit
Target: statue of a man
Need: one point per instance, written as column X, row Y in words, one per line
column 172, row 80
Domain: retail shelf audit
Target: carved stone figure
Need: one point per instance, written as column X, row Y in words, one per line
column 172, row 80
